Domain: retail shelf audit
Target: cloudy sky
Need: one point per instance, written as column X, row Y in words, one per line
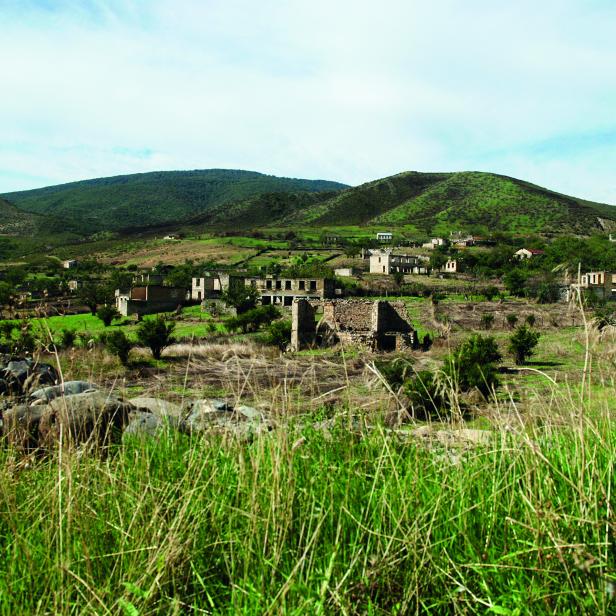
column 346, row 90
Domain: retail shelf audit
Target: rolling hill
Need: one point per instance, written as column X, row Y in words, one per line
column 438, row 202
column 233, row 200
column 15, row 222
column 149, row 199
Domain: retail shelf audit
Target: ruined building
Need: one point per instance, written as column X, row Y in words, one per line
column 149, row 299
column 377, row 325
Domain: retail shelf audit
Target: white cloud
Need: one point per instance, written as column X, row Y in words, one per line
column 342, row 90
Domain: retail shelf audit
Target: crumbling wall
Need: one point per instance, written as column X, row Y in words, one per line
column 303, row 325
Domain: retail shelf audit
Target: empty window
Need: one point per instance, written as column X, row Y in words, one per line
column 287, row 285
column 302, row 285
column 279, row 284
column 268, row 284
column 313, row 285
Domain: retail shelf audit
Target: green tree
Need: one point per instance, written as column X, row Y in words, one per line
column 92, row 295
column 107, row 314
column 279, row 334
column 117, row 343
column 156, row 334
column 241, row 297
column 515, row 282
column 522, row 343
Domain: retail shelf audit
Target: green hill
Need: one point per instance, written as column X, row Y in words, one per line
column 439, row 202
column 15, row 222
column 149, row 199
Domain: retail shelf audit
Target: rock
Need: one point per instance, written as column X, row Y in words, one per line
column 21, row 426
column 95, row 418
column 146, row 424
column 19, row 376
column 68, row 388
column 160, row 408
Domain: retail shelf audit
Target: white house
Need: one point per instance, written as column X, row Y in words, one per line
column 385, row 236
column 527, row 253
column 344, row 272
column 386, row 262
column 450, row 267
column 69, row 263
column 435, row 242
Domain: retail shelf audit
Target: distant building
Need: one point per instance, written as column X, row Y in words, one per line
column 528, row 253
column 173, row 236
column 149, row 299
column 385, row 236
column 74, row 285
column 345, row 272
column 600, row 284
column 70, row 263
column 435, row 242
column 282, row 291
column 205, row 287
column 450, row 267
column 387, row 262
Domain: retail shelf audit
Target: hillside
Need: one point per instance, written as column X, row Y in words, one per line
column 438, row 202
column 14, row 222
column 149, row 199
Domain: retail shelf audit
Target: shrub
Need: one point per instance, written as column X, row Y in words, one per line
column 67, row 338
column 522, row 343
column 396, row 372
column 487, row 320
column 512, row 319
column 279, row 334
column 489, row 293
column 107, row 314
column 531, row 320
column 241, row 297
column 515, row 282
column 472, row 364
column 548, row 294
column 117, row 343
column 252, row 320
column 426, row 395
column 156, row 334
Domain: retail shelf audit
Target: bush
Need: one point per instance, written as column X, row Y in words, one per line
column 426, row 395
column 396, row 372
column 67, row 338
column 472, row 364
column 512, row 319
column 117, row 343
column 548, row 294
column 252, row 320
column 522, row 343
column 530, row 320
column 241, row 297
column 107, row 314
column 487, row 320
column 489, row 293
column 156, row 334
column 278, row 334
column 515, row 282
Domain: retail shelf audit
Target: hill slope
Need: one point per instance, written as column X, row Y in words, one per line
column 14, row 222
column 438, row 202
column 146, row 199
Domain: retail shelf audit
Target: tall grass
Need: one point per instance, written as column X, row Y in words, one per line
column 350, row 520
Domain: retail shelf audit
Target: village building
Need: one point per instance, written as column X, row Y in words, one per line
column 376, row 325
column 388, row 262
column 345, row 272
column 74, row 285
column 450, row 267
column 528, row 253
column 282, row 291
column 207, row 286
column 435, row 242
column 70, row 263
column 385, row 236
column 149, row 299
column 601, row 284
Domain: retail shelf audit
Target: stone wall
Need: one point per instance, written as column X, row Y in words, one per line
column 303, row 325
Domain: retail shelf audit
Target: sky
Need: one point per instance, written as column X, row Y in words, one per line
column 333, row 89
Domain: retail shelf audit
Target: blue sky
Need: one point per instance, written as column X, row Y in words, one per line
column 336, row 89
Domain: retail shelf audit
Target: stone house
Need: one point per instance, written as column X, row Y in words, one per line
column 450, row 267
column 388, row 262
column 282, row 291
column 149, row 299
column 376, row 325
column 345, row 272
column 207, row 286
column 601, row 284
column 70, row 263
column 528, row 253
column 385, row 236
column 435, row 242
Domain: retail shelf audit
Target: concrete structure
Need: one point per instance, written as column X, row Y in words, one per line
column 527, row 253
column 385, row 236
column 345, row 272
column 451, row 267
column 149, row 299
column 387, row 262
column 376, row 325
column 205, row 287
column 435, row 242
column 70, row 263
column 282, row 291
column 74, row 285
column 600, row 284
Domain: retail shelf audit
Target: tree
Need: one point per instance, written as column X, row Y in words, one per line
column 241, row 297
column 489, row 292
column 472, row 364
column 117, row 343
column 253, row 319
column 398, row 278
column 279, row 334
column 548, row 293
column 156, row 334
column 107, row 314
column 515, row 282
column 522, row 343
column 512, row 319
column 92, row 295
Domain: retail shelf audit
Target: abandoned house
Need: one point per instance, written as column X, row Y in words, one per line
column 149, row 299
column 376, row 325
column 435, row 242
column 450, row 267
column 600, row 284
column 207, row 286
column 282, row 291
column 385, row 236
column 345, row 272
column 528, row 253
column 70, row 263
column 387, row 262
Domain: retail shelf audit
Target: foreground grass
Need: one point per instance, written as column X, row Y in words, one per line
column 303, row 521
